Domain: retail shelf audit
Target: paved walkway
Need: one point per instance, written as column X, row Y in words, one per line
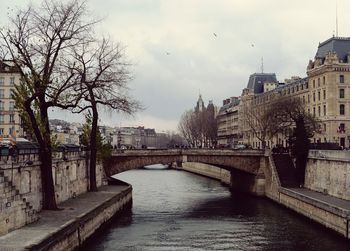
column 327, row 199
column 51, row 221
column 329, row 203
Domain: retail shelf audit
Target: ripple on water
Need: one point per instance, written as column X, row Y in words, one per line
column 175, row 210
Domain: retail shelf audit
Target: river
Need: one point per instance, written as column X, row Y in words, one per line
column 176, row 210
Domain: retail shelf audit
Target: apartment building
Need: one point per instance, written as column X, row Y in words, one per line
column 228, row 123
column 325, row 92
column 10, row 121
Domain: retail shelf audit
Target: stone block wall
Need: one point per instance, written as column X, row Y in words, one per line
column 209, row 171
column 329, row 172
column 20, row 185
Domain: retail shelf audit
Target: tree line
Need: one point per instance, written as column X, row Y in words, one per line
column 63, row 63
column 199, row 128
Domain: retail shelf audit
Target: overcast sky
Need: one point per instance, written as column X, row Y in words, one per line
column 176, row 55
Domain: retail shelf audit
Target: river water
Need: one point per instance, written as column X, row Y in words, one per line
column 176, row 210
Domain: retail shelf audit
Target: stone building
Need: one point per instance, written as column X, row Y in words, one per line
column 10, row 121
column 325, row 92
column 229, row 134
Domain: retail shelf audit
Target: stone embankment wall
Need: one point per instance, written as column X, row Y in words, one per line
column 73, row 234
column 209, row 171
column 328, row 172
column 20, row 185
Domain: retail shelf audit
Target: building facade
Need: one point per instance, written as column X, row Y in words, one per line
column 325, row 92
column 10, row 121
column 229, row 133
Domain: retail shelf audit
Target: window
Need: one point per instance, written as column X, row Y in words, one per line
column 1, row 106
column 11, row 131
column 306, row 85
column 12, row 81
column 324, row 129
column 324, row 94
column 313, row 83
column 314, row 111
column 303, row 99
column 318, row 82
column 11, row 94
column 12, row 105
column 324, row 80
column 319, row 111
column 12, row 118
column 319, row 96
column 341, row 93
column 324, row 110
column 297, row 88
column 341, row 79
column 1, row 119
column 1, row 131
column 341, row 127
column 2, row 81
column 314, row 97
column 342, row 109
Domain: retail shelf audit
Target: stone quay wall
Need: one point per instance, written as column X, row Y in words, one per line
column 73, row 234
column 209, row 171
column 21, row 191
column 328, row 172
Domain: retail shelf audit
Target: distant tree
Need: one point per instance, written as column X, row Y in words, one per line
column 261, row 122
column 186, row 127
column 199, row 128
column 103, row 83
column 40, row 41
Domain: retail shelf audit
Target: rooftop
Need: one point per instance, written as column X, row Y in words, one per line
column 8, row 67
column 257, row 80
column 340, row 45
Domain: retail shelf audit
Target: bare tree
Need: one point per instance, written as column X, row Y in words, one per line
column 199, row 128
column 262, row 122
column 39, row 42
column 103, row 76
column 186, row 127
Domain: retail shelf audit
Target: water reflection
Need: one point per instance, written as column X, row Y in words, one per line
column 175, row 210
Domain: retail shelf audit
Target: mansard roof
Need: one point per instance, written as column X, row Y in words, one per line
column 8, row 67
column 257, row 80
column 340, row 45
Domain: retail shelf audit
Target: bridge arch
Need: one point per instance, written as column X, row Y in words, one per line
column 247, row 168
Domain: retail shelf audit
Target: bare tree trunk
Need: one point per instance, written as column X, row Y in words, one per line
column 93, row 148
column 48, row 188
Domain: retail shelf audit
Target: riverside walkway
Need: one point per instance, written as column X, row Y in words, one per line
column 71, row 225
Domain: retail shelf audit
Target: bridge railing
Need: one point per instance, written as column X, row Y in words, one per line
column 190, row 151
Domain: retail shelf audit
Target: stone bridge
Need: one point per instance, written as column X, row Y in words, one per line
column 248, row 169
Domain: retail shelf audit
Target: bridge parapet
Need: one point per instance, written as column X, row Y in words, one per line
column 211, row 152
column 243, row 160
